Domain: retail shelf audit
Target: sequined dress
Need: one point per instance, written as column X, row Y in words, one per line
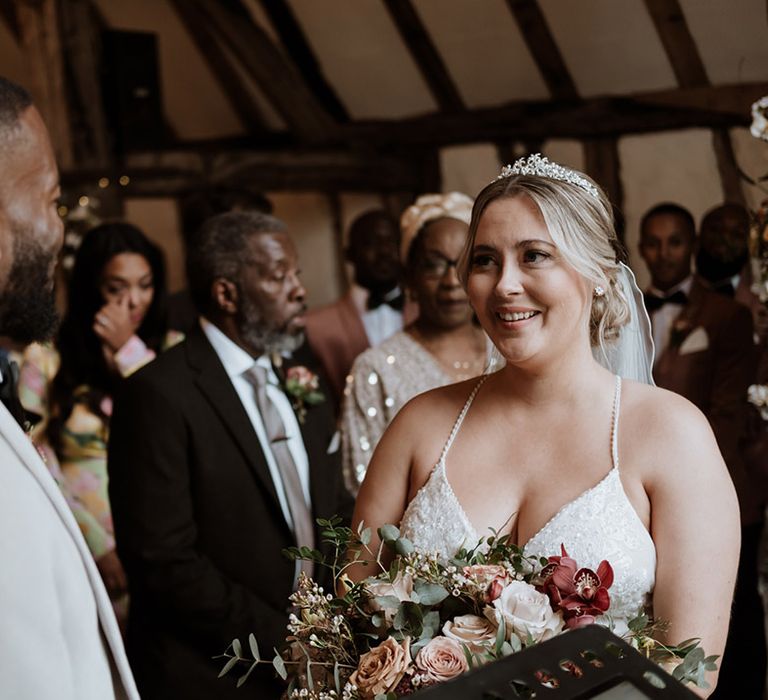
column 380, row 382
column 600, row 523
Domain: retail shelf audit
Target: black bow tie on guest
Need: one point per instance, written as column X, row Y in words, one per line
column 654, row 303
column 393, row 298
column 9, row 389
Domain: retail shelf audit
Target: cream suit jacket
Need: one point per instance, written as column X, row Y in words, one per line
column 58, row 633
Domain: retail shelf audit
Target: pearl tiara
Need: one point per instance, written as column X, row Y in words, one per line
column 537, row 164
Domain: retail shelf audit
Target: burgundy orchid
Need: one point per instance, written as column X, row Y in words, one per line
column 581, row 594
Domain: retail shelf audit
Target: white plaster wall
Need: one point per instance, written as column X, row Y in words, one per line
column 468, row 169
column 672, row 166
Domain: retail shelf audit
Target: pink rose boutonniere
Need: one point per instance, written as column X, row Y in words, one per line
column 303, row 386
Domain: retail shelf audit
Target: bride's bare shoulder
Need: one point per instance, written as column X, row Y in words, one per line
column 664, row 428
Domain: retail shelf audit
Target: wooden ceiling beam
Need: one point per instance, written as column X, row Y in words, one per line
column 543, row 48
column 712, row 107
column 220, row 64
column 277, row 77
column 295, row 43
column 683, row 55
column 425, row 54
column 155, row 174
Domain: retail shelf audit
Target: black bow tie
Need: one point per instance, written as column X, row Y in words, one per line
column 654, row 303
column 9, row 389
column 394, row 300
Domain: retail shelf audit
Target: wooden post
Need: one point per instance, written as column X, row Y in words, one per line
column 729, row 170
column 42, row 47
column 601, row 162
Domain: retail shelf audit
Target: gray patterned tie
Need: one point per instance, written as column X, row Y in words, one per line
column 301, row 513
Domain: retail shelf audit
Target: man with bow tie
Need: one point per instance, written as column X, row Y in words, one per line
column 374, row 307
column 216, row 465
column 704, row 351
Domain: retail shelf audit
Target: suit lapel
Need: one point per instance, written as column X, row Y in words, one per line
column 216, row 386
column 31, row 460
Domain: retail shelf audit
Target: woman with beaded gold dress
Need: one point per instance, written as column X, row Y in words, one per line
column 441, row 346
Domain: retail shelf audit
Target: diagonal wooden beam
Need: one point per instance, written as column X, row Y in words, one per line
column 277, row 77
column 424, row 52
column 295, row 42
column 669, row 20
column 220, row 64
column 543, row 48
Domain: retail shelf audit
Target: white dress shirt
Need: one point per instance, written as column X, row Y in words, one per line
column 236, row 363
column 379, row 323
column 663, row 319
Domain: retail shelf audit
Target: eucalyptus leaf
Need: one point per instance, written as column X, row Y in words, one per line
column 431, row 624
column 403, row 547
column 515, row 642
column 336, row 679
column 365, row 536
column 501, row 633
column 310, row 680
column 228, row 666
column 254, row 646
column 388, row 533
column 430, row 593
column 279, row 665
column 237, row 648
column 244, row 677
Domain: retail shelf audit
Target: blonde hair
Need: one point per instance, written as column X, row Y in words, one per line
column 581, row 225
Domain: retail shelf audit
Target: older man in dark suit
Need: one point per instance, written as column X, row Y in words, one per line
column 705, row 351
column 214, row 468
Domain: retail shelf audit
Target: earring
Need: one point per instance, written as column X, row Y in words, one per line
column 599, row 291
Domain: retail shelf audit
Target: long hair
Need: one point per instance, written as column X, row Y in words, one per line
column 80, row 349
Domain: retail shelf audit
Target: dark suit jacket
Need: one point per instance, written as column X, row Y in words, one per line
column 715, row 377
column 198, row 525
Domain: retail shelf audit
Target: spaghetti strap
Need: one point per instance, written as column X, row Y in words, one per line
column 460, row 418
column 615, row 424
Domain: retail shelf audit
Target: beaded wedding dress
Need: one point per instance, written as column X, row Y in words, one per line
column 598, row 524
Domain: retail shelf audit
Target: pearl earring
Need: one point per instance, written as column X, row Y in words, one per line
column 599, row 291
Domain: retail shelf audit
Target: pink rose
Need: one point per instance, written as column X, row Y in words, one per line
column 442, row 659
column 381, row 669
column 303, row 377
column 490, row 577
column 476, row 633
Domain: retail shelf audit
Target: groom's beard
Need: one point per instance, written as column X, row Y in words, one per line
column 28, row 302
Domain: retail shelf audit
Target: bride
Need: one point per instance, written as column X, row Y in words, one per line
column 555, row 448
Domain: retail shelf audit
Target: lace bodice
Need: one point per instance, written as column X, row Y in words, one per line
column 598, row 524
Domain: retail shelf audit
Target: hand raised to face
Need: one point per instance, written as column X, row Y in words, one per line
column 113, row 324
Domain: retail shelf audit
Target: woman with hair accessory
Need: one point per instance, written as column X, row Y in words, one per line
column 441, row 346
column 114, row 324
column 565, row 442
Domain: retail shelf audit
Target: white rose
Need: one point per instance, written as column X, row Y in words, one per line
column 476, row 633
column 401, row 588
column 526, row 612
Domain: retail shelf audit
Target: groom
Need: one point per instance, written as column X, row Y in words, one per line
column 59, row 638
column 215, row 469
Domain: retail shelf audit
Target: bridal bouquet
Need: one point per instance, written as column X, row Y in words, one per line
column 423, row 620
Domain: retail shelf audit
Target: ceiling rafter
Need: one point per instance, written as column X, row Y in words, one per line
column 295, row 42
column 277, row 77
column 220, row 64
column 543, row 48
column 681, row 49
column 424, row 52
